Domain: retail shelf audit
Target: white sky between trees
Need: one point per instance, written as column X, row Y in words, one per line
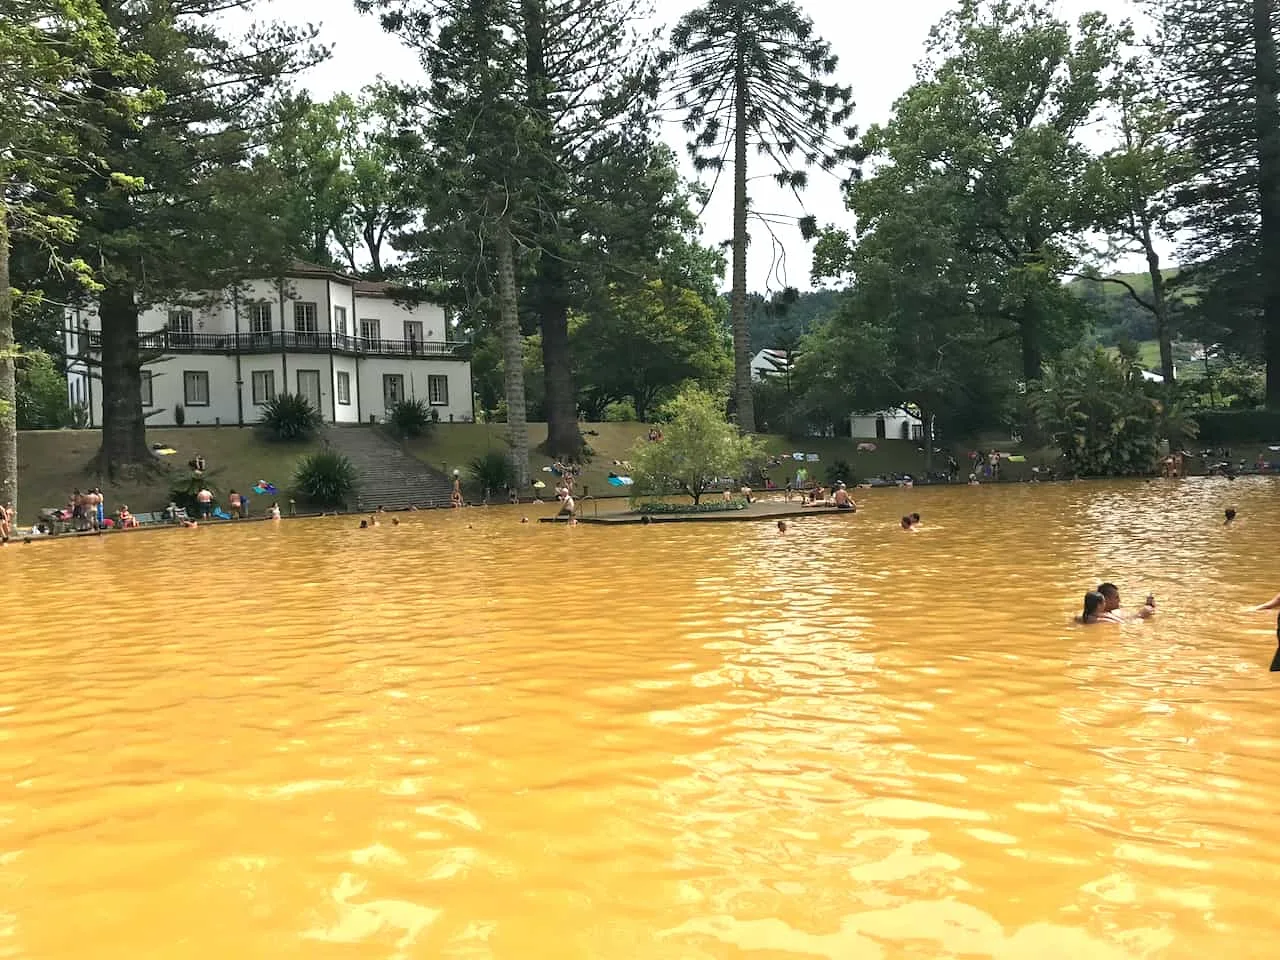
column 879, row 43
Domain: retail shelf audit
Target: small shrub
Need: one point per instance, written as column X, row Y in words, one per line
column 492, row 471
column 411, row 418
column 839, row 471
column 184, row 489
column 179, row 414
column 79, row 416
column 290, row 417
column 325, row 479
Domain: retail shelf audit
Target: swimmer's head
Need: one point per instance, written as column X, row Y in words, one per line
column 906, row 523
column 1111, row 593
column 1231, row 514
column 646, row 519
column 524, row 519
column 915, row 518
column 1094, row 604
column 782, row 526
column 364, row 524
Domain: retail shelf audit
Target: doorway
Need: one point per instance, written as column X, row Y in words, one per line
column 392, row 389
column 880, row 428
column 309, row 386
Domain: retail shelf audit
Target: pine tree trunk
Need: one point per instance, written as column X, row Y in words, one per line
column 124, row 429
column 8, row 383
column 738, row 300
column 512, row 357
column 1160, row 301
column 564, row 439
column 1266, row 84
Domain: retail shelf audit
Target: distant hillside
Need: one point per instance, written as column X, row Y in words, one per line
column 1117, row 316
column 782, row 318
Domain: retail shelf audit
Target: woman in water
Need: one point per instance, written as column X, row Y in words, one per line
column 1094, row 608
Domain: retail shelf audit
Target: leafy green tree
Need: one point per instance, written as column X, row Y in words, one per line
column 1094, row 407
column 348, row 172
column 752, row 73
column 197, row 223
column 1132, row 187
column 51, row 54
column 645, row 342
column 990, row 131
column 42, row 393
column 1224, row 80
column 698, row 447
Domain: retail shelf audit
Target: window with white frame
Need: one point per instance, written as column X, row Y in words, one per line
column 437, row 390
column 370, row 330
column 344, row 388
column 264, row 386
column 340, row 321
column 181, row 326
column 305, row 324
column 260, row 320
column 148, row 397
column 195, row 388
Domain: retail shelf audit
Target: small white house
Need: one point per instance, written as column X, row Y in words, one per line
column 895, row 424
column 770, row 363
column 347, row 345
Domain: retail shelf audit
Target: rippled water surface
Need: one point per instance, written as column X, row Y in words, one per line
column 465, row 737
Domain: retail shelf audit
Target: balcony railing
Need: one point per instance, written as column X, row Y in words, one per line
column 171, row 341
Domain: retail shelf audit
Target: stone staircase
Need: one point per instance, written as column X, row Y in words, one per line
column 389, row 476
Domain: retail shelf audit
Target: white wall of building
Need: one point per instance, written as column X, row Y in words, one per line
column 348, row 412
column 864, row 426
column 391, row 317
column 416, row 384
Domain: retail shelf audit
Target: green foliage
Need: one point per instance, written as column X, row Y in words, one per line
column 643, row 342
column 1226, row 427
column 411, row 418
column 1098, row 414
column 711, row 506
column 620, row 411
column 42, row 393
column 183, row 490
column 699, row 446
column 290, row 417
column 325, row 478
column 755, row 75
column 492, row 471
column 839, row 471
column 779, row 321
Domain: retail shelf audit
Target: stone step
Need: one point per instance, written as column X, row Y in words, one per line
column 389, row 477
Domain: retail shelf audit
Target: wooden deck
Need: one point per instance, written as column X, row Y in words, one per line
column 760, row 510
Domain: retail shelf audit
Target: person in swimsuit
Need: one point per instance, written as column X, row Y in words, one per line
column 233, row 501
column 842, row 499
column 1112, row 612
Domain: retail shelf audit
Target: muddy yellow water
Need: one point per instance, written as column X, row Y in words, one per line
column 465, row 737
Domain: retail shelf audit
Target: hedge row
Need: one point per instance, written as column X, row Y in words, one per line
column 712, row 506
column 1225, row 427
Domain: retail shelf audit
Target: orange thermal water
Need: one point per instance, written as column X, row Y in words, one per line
column 674, row 741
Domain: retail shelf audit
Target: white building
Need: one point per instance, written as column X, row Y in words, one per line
column 896, row 424
column 345, row 344
column 769, row 363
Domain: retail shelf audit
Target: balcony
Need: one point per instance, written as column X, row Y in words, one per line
column 277, row 341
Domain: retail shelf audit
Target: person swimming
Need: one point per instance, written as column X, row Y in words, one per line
column 782, row 526
column 915, row 519
column 908, row 525
column 1112, row 613
column 1231, row 516
column 1094, row 607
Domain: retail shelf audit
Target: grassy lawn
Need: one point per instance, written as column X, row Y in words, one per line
column 455, row 445
column 51, row 463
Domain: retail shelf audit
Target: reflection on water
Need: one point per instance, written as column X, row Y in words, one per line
column 467, row 737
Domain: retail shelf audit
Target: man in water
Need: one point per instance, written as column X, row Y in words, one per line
column 1111, row 608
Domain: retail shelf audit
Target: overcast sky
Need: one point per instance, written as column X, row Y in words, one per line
column 878, row 44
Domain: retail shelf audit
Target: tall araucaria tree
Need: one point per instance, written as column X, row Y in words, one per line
column 197, row 223
column 51, row 53
column 1224, row 81
column 751, row 73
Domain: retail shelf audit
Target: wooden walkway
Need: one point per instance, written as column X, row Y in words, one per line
column 760, row 510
